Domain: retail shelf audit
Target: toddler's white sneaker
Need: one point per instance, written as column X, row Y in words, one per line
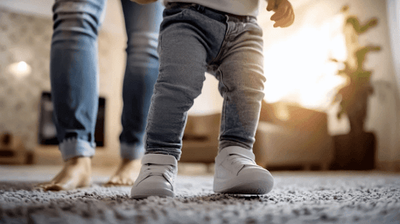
column 236, row 172
column 156, row 177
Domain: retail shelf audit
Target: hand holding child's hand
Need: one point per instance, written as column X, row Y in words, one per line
column 284, row 14
column 142, row 2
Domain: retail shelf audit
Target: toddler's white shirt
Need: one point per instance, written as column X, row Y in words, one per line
column 237, row 7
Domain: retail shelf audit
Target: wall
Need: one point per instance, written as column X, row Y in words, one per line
column 23, row 38
column 393, row 10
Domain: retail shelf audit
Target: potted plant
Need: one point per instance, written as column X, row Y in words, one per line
column 356, row 149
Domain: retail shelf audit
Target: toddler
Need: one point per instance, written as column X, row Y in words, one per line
column 223, row 38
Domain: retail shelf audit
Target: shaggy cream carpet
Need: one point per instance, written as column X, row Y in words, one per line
column 298, row 197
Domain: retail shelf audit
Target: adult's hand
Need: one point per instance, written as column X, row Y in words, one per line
column 284, row 14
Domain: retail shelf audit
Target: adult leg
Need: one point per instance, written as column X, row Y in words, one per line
column 142, row 24
column 74, row 82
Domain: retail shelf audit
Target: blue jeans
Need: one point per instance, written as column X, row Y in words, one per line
column 74, row 73
column 194, row 39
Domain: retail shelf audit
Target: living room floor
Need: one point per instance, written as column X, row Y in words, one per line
column 297, row 197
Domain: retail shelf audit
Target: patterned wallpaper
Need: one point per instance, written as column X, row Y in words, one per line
column 23, row 38
column 27, row 38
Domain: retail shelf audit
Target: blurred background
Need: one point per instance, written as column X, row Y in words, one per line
column 331, row 101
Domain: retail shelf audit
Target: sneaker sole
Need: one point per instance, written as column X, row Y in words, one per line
column 146, row 196
column 258, row 183
column 148, row 192
column 256, row 187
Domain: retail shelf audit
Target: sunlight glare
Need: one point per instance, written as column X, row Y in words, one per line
column 298, row 69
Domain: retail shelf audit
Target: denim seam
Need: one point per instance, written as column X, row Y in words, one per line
column 223, row 117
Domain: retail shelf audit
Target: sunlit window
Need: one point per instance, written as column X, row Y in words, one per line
column 298, row 68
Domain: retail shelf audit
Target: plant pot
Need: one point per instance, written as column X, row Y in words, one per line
column 354, row 151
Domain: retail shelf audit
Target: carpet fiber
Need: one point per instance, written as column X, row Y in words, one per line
column 297, row 197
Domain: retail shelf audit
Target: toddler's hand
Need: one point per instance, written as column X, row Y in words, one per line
column 284, row 14
column 143, row 2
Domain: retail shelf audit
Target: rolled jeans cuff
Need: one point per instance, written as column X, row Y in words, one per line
column 131, row 152
column 71, row 148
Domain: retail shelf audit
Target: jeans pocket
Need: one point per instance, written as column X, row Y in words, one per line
column 159, row 44
column 170, row 16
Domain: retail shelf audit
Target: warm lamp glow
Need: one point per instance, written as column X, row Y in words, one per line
column 299, row 70
column 20, row 69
